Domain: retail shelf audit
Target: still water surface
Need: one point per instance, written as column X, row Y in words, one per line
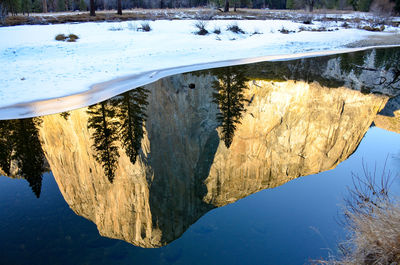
column 237, row 165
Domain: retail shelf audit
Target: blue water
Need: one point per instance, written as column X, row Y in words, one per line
column 290, row 224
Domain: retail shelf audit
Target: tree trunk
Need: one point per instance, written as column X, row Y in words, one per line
column 119, row 7
column 66, row 5
column 226, row 8
column 92, row 8
column 44, row 2
column 234, row 7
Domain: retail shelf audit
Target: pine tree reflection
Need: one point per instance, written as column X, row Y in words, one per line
column 131, row 108
column 230, row 98
column 6, row 146
column 105, row 135
column 19, row 141
column 118, row 119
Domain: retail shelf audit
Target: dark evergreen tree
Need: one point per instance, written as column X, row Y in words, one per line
column 119, row 7
column 105, row 134
column 44, row 6
column 226, row 6
column 6, row 146
column 28, row 152
column 396, row 8
column 230, row 98
column 131, row 114
column 92, row 8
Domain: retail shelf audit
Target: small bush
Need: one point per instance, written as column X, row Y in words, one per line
column 72, row 38
column 201, row 27
column 144, row 26
column 307, row 20
column 320, row 29
column 283, row 30
column 60, row 37
column 235, row 28
column 345, row 25
column 302, row 28
column 217, row 30
column 369, row 28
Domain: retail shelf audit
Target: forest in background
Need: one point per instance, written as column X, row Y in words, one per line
column 10, row 7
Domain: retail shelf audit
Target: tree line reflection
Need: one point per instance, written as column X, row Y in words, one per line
column 19, row 142
column 114, row 122
column 120, row 119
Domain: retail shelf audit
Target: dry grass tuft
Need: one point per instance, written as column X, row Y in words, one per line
column 234, row 27
column 201, row 27
column 145, row 27
column 70, row 38
column 373, row 219
column 60, row 37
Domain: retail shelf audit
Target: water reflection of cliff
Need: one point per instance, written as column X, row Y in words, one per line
column 289, row 129
column 145, row 165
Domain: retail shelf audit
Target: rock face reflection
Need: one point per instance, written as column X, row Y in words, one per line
column 145, row 165
column 184, row 167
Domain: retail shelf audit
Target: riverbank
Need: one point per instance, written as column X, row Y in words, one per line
column 105, row 90
column 195, row 13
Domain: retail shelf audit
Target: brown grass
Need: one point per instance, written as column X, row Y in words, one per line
column 373, row 219
column 60, row 37
column 72, row 38
column 69, row 38
column 375, row 238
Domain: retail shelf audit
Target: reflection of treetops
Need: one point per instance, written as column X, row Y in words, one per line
column 353, row 61
column 389, row 60
column 19, row 141
column 385, row 60
column 119, row 119
column 131, row 113
column 230, row 98
column 105, row 129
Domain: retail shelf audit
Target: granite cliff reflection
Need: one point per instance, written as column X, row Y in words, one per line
column 182, row 170
column 146, row 165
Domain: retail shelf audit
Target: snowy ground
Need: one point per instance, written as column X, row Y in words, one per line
column 35, row 66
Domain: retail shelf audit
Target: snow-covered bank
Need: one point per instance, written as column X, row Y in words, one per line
column 36, row 67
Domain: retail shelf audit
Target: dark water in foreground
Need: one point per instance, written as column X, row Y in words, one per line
column 227, row 166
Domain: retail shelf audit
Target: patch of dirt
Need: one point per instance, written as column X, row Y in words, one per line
column 376, row 40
